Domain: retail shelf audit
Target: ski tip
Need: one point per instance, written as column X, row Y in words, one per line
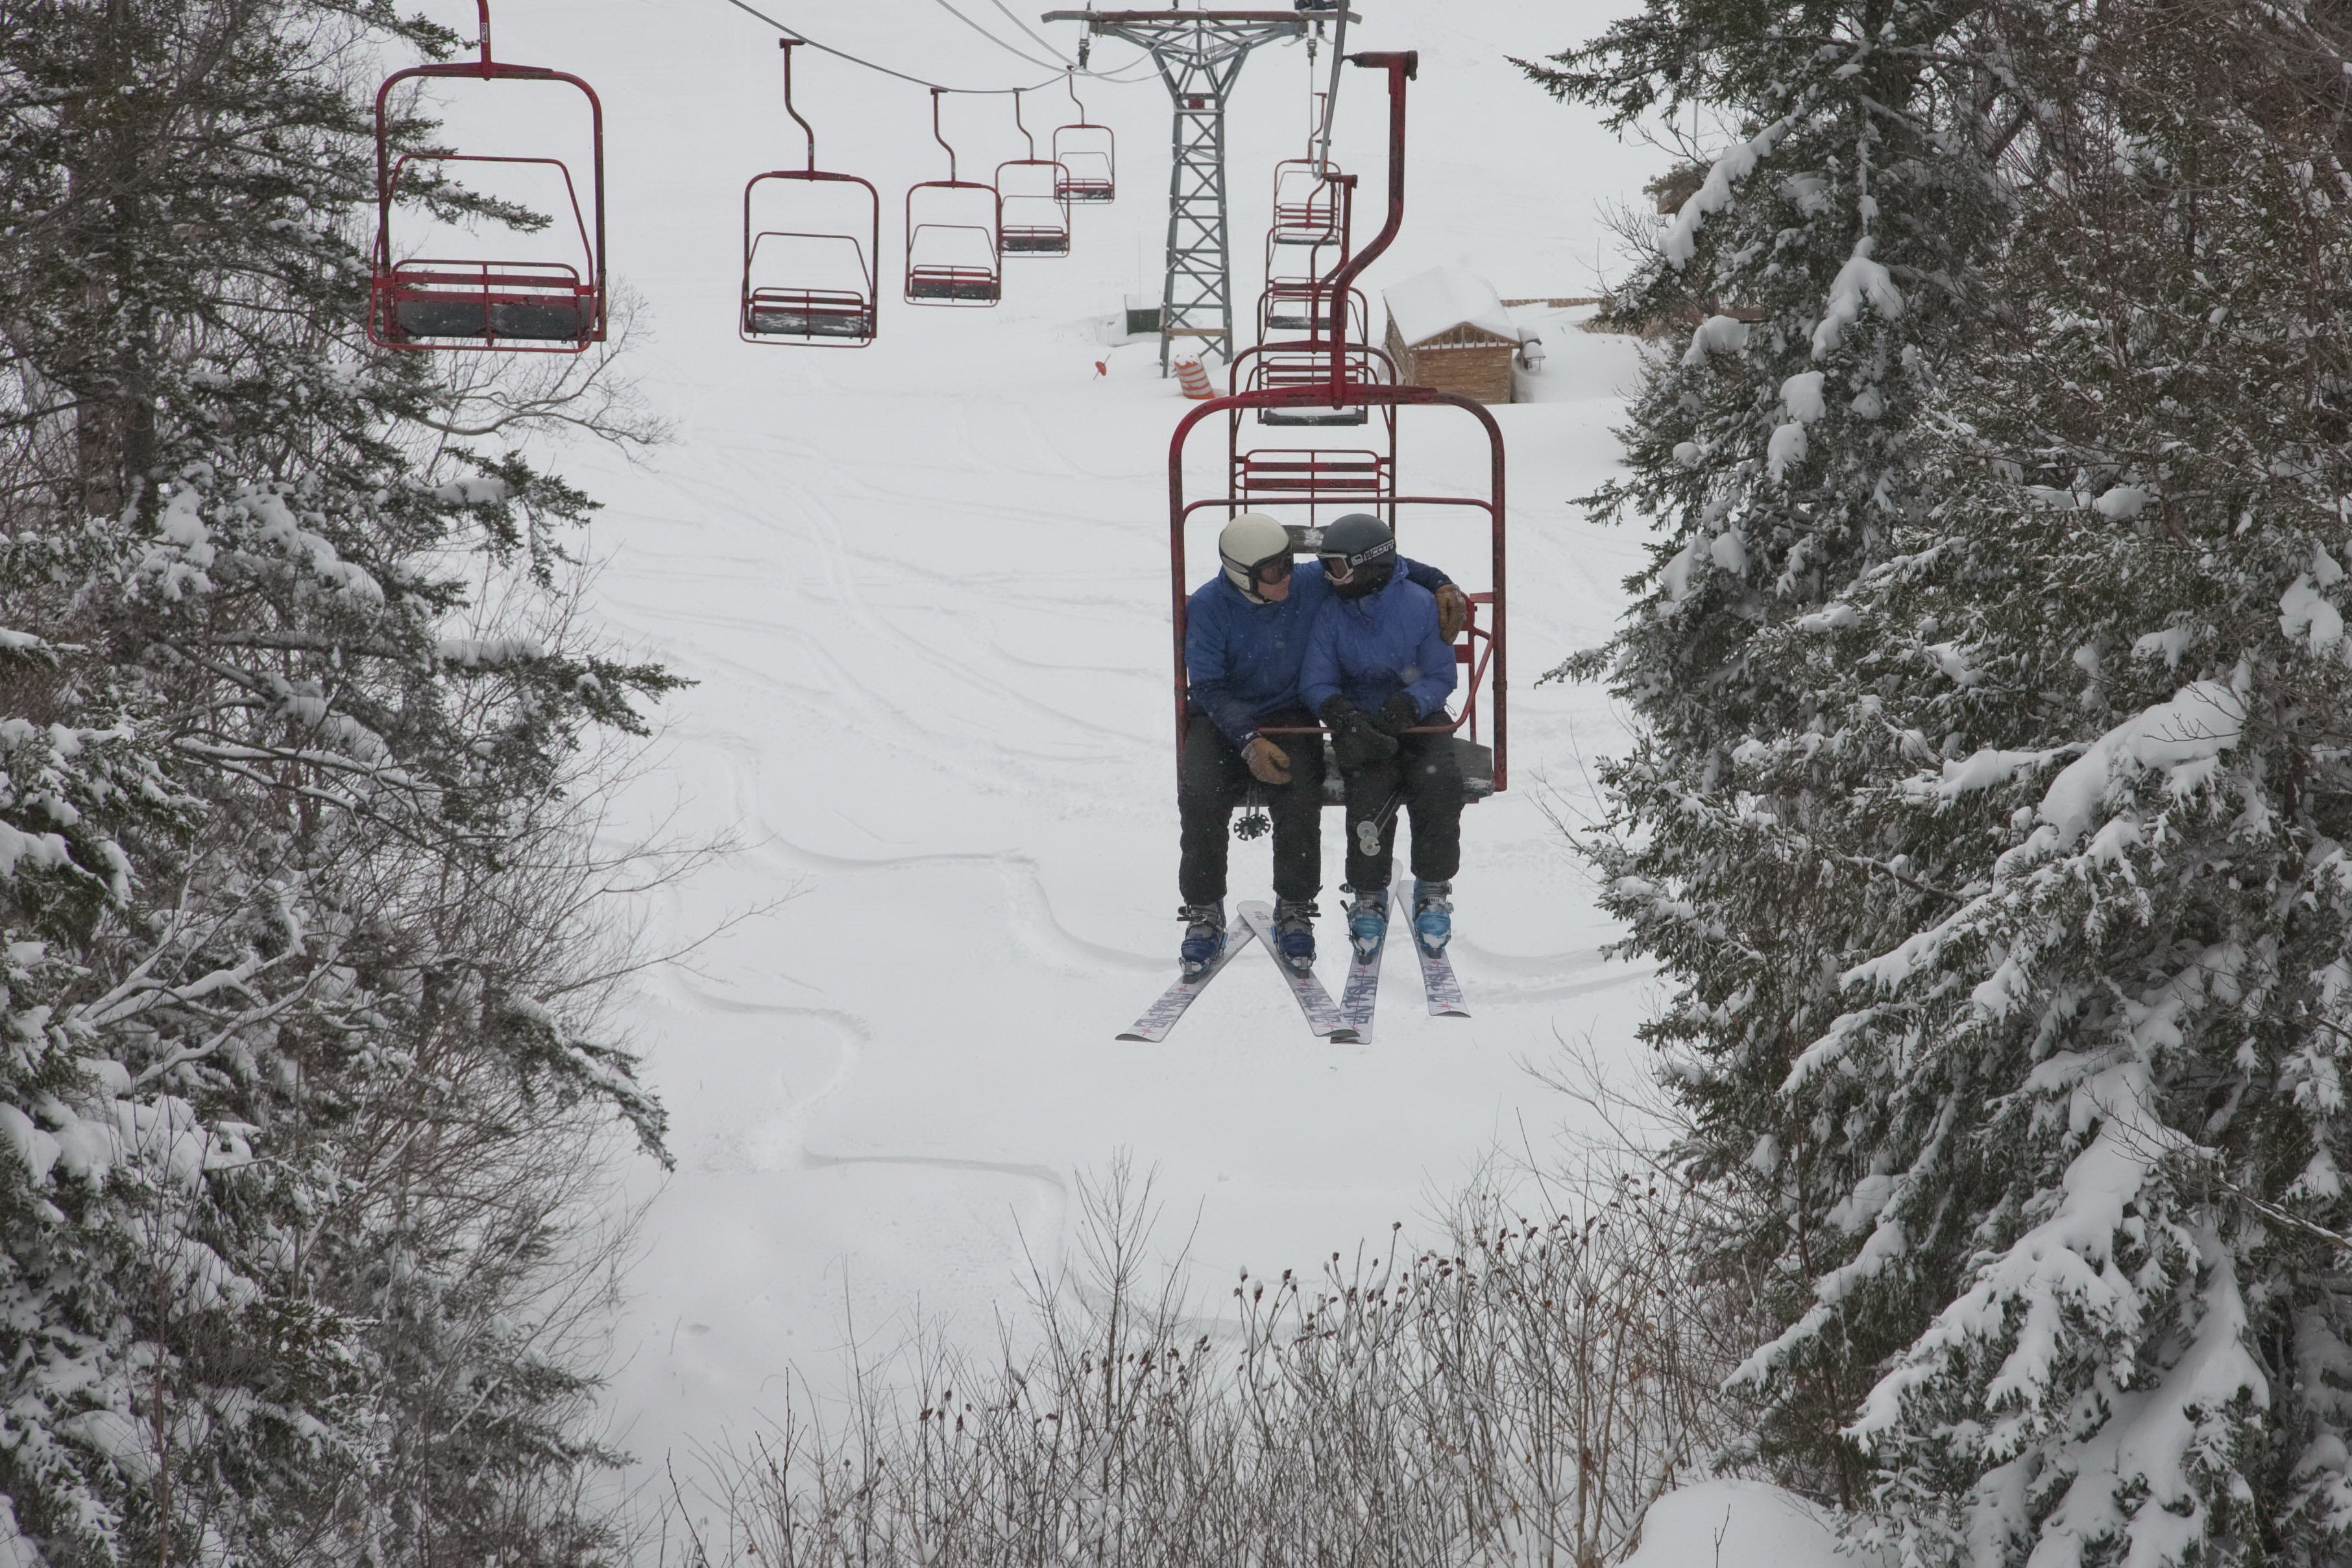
column 1344, row 1037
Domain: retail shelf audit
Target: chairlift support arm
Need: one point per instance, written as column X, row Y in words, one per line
column 787, row 46
column 1401, row 67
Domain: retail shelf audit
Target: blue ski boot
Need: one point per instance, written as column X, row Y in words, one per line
column 1204, row 935
column 1293, row 932
column 1368, row 920
column 1433, row 913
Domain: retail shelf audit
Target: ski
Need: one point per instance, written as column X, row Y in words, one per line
column 1322, row 1015
column 1362, row 992
column 1445, row 992
column 1162, row 1016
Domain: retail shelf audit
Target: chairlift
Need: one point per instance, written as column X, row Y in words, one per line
column 955, row 237
column 1036, row 214
column 1308, row 483
column 1311, row 203
column 1087, row 153
column 476, row 301
column 808, row 287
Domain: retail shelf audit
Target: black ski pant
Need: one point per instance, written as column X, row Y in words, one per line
column 1426, row 781
column 1211, row 779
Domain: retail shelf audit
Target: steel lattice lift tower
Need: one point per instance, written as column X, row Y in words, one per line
column 1199, row 54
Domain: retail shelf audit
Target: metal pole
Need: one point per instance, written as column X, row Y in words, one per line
column 1199, row 54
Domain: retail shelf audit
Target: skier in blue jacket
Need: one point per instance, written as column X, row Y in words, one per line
column 1378, row 664
column 1245, row 636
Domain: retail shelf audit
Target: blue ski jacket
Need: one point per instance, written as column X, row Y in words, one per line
column 1367, row 650
column 1242, row 660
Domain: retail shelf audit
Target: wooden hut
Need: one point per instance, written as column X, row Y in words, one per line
column 1448, row 329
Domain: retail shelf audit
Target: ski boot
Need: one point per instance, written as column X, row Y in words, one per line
column 1368, row 920
column 1293, row 932
column 1204, row 935
column 1433, row 915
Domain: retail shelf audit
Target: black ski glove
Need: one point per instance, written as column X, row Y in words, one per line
column 1399, row 713
column 1356, row 740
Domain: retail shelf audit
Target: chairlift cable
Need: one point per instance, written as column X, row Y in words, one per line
column 992, row 38
column 1039, row 39
column 902, row 75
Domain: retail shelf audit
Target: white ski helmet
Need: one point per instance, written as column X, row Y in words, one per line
column 1247, row 543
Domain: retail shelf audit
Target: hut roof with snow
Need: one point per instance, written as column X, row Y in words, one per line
column 1448, row 329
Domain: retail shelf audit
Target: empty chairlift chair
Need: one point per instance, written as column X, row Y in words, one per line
column 1088, row 155
column 806, row 281
column 543, row 304
column 1036, row 214
column 1309, row 201
column 955, row 237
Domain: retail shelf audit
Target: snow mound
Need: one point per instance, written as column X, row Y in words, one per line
column 1736, row 1524
column 1442, row 298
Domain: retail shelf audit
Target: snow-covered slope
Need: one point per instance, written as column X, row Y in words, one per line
column 924, row 588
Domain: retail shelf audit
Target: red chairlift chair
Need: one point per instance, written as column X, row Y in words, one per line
column 1310, row 203
column 1036, row 214
column 798, row 296
column 1089, row 154
column 1311, row 482
column 473, row 302
column 952, row 259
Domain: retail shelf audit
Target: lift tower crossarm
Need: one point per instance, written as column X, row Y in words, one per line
column 1199, row 54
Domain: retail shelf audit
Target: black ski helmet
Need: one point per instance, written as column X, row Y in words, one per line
column 1359, row 555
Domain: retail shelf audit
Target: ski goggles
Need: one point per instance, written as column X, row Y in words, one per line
column 1341, row 569
column 1272, row 569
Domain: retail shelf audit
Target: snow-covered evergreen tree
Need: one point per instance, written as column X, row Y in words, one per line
column 300, row 1065
column 1999, row 859
column 1802, row 288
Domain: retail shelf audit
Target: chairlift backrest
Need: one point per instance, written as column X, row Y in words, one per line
column 480, row 301
column 811, row 287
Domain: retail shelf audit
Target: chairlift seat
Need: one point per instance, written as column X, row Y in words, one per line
column 963, row 284
column 483, row 303
column 808, row 313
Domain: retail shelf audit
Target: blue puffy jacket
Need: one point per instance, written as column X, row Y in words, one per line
column 1368, row 650
column 1242, row 660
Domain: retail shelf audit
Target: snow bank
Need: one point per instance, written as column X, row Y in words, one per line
column 1445, row 297
column 1736, row 1524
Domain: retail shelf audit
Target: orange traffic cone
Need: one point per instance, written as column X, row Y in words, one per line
column 1193, row 379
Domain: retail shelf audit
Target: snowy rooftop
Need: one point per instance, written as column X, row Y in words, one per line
column 1442, row 298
